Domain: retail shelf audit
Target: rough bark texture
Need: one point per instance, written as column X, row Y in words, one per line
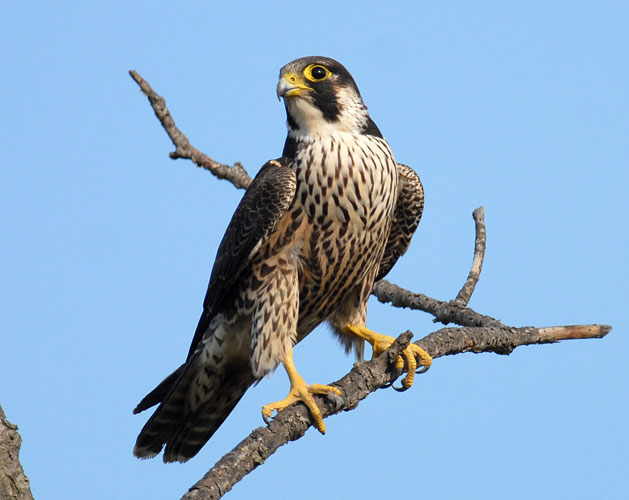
column 465, row 294
column 444, row 312
column 235, row 174
column 293, row 422
column 14, row 484
column 365, row 378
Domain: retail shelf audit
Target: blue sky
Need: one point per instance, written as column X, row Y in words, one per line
column 107, row 244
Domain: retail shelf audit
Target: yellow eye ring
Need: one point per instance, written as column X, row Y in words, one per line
column 317, row 73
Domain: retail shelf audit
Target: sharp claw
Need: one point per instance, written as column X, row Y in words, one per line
column 401, row 388
column 304, row 393
column 267, row 420
column 413, row 360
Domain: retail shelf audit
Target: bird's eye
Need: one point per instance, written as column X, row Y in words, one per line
column 317, row 73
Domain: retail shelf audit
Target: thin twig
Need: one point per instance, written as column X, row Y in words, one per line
column 444, row 312
column 503, row 339
column 465, row 294
column 365, row 378
column 454, row 311
column 235, row 174
column 557, row 333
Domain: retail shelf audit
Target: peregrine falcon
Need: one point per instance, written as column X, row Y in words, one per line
column 315, row 229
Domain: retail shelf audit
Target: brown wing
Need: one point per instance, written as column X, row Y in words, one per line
column 184, row 430
column 267, row 198
column 408, row 212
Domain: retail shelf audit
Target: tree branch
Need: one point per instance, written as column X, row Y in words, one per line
column 235, row 174
column 465, row 294
column 14, row 484
column 454, row 311
column 366, row 377
column 478, row 333
column 293, row 422
column 444, row 312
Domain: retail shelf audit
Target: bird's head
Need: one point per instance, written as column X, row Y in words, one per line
column 320, row 97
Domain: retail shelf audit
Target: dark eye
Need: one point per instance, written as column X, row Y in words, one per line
column 318, row 73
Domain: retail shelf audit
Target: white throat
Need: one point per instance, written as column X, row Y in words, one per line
column 353, row 116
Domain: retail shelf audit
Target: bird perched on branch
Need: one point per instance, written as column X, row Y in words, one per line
column 312, row 233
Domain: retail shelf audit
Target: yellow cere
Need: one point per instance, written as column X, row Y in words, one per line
column 292, row 84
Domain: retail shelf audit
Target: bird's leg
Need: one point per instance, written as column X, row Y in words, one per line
column 381, row 343
column 300, row 391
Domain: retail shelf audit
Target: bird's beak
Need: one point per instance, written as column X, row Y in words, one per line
column 290, row 85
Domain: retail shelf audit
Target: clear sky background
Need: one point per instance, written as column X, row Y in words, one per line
column 107, row 244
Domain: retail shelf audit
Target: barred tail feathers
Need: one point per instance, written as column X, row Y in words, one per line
column 194, row 404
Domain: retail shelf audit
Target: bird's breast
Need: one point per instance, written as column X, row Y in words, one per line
column 348, row 181
column 347, row 187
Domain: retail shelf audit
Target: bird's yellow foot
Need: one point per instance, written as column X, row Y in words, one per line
column 381, row 343
column 300, row 391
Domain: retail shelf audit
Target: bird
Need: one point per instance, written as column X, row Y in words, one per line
column 313, row 232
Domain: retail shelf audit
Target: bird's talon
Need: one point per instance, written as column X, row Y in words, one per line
column 402, row 388
column 413, row 359
column 300, row 391
column 266, row 418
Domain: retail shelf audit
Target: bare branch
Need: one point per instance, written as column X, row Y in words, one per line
column 503, row 339
column 445, row 312
column 365, row 378
column 14, row 484
column 557, row 333
column 465, row 294
column 294, row 421
column 235, row 174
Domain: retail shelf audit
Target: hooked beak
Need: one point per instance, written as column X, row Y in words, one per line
column 291, row 85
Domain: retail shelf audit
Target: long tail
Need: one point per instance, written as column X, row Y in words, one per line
column 194, row 402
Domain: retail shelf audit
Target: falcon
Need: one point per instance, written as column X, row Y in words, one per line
column 314, row 231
